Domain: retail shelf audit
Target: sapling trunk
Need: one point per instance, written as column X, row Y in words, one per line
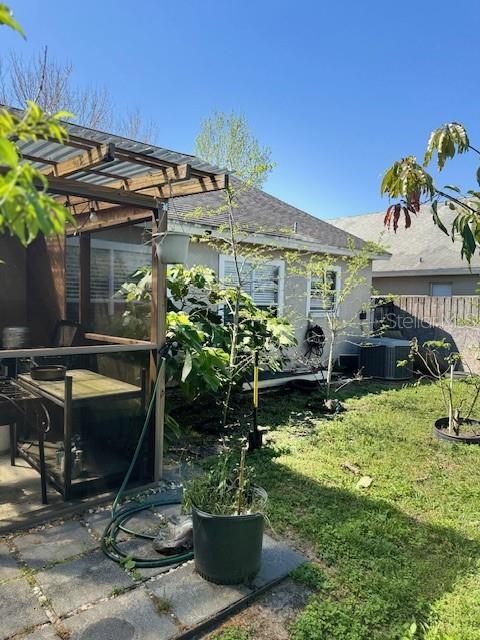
column 241, row 483
column 450, row 400
column 236, row 311
column 233, row 355
column 330, row 364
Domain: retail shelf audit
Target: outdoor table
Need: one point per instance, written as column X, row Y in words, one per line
column 78, row 388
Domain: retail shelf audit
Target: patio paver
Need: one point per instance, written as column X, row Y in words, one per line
column 19, row 608
column 8, row 565
column 191, row 598
column 47, row 633
column 74, row 583
column 98, row 521
column 145, row 521
column 277, row 561
column 54, row 544
column 127, row 617
column 144, row 549
column 80, row 589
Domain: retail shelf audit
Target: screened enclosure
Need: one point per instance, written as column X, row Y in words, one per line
column 75, row 307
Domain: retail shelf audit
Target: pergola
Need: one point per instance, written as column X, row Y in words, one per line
column 107, row 181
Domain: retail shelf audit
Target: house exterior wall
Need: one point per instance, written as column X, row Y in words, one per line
column 462, row 285
column 295, row 298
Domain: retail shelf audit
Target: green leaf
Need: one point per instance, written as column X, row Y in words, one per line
column 8, row 20
column 452, row 187
column 436, row 218
column 187, row 366
column 8, row 153
column 469, row 243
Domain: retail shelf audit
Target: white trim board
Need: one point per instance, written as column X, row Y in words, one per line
column 460, row 271
column 279, row 242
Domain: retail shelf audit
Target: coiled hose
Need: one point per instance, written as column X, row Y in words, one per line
column 121, row 516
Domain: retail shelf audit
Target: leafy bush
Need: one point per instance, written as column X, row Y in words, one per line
column 201, row 355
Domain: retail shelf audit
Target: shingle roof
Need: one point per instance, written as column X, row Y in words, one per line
column 264, row 214
column 421, row 248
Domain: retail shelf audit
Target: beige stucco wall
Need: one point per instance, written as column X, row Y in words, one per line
column 462, row 285
column 295, row 298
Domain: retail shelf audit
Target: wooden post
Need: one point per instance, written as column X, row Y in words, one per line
column 85, row 267
column 67, row 438
column 157, row 335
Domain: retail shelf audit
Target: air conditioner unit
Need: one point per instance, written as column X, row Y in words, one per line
column 379, row 357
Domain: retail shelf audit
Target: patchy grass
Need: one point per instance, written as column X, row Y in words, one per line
column 162, row 605
column 398, row 560
column 232, row 633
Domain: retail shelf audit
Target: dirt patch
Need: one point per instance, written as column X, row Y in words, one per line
column 271, row 615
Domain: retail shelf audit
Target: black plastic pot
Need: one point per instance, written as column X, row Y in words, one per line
column 440, row 430
column 228, row 549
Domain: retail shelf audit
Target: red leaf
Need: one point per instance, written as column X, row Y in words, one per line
column 388, row 216
column 408, row 219
column 396, row 216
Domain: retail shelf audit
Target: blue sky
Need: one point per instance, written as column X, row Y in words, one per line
column 337, row 90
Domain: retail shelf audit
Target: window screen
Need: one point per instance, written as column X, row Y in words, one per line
column 323, row 292
column 261, row 282
column 115, row 254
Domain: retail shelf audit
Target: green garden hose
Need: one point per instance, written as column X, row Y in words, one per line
column 120, row 516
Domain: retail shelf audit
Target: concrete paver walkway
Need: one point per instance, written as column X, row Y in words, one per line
column 56, row 583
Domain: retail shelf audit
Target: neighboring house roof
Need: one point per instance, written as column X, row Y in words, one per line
column 423, row 249
column 266, row 217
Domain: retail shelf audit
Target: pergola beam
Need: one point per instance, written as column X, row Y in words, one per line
column 148, row 181
column 158, row 178
column 107, row 218
column 84, row 161
column 128, row 155
column 189, row 187
column 164, row 191
column 100, row 193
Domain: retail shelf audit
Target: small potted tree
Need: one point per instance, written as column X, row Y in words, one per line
column 436, row 361
column 228, row 522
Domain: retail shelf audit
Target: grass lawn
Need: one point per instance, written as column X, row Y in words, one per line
column 403, row 553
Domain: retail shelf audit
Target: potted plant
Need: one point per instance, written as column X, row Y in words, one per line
column 436, row 361
column 228, row 522
column 172, row 247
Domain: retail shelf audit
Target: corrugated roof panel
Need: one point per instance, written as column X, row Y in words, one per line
column 55, row 152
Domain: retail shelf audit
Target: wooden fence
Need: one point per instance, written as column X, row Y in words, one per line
column 434, row 310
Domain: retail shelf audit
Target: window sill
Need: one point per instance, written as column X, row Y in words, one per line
column 319, row 314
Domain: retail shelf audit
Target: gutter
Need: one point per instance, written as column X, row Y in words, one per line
column 279, row 242
column 459, row 271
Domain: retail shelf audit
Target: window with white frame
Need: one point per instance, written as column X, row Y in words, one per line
column 263, row 282
column 322, row 292
column 111, row 264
